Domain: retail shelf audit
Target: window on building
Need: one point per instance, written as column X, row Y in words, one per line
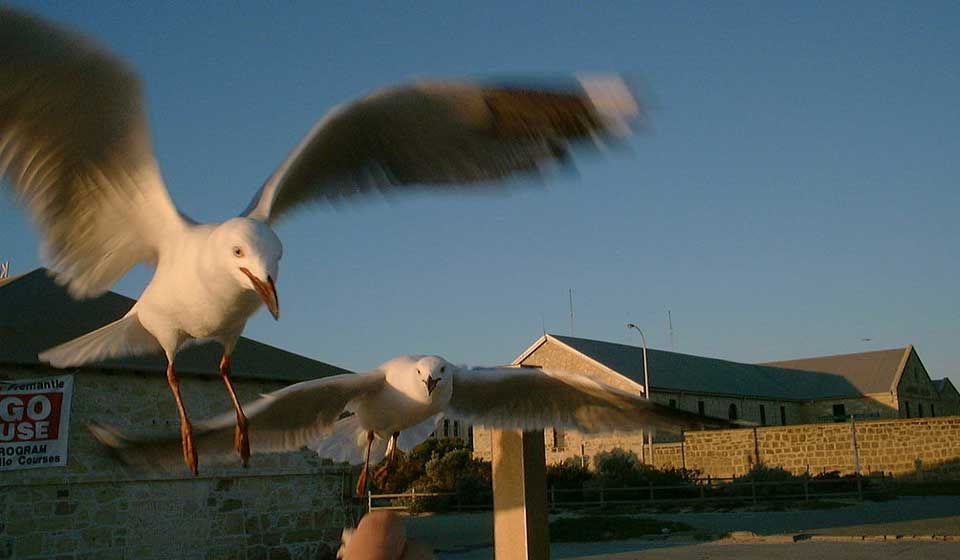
column 839, row 412
column 446, row 428
column 732, row 412
column 783, row 416
column 763, row 415
column 456, row 428
column 700, row 408
column 920, row 410
column 933, row 411
column 673, row 403
column 559, row 439
column 470, row 436
column 906, row 406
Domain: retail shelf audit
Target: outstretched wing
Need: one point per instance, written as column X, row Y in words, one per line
column 284, row 420
column 75, row 146
column 443, row 133
column 533, row 399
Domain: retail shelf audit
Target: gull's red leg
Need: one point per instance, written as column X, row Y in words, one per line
column 384, row 471
column 362, row 482
column 241, row 437
column 186, row 433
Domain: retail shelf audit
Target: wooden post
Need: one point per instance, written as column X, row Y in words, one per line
column 856, row 456
column 683, row 454
column 756, row 447
column 520, row 529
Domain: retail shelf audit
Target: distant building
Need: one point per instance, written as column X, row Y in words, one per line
column 867, row 385
column 283, row 506
column 949, row 396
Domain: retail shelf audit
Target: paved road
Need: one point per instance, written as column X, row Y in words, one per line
column 793, row 551
column 911, row 515
column 469, row 536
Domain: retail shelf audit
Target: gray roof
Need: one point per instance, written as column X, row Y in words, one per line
column 869, row 372
column 36, row 314
column 672, row 371
column 943, row 385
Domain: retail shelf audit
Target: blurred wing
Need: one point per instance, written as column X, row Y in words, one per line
column 532, row 399
column 443, row 133
column 285, row 420
column 75, row 147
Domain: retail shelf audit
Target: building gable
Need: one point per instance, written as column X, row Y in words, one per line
column 550, row 353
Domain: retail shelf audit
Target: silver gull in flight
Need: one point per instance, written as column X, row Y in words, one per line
column 398, row 404
column 75, row 147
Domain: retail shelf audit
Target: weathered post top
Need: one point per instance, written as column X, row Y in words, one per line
column 519, row 496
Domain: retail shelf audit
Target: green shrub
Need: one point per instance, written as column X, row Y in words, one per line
column 777, row 481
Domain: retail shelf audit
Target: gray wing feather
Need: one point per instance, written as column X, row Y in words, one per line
column 75, row 147
column 285, row 420
column 442, row 133
column 533, row 399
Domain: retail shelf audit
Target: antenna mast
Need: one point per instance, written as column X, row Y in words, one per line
column 571, row 311
column 673, row 344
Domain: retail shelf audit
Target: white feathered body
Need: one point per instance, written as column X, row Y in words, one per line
column 402, row 402
column 189, row 299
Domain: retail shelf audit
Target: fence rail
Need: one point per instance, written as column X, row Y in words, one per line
column 699, row 490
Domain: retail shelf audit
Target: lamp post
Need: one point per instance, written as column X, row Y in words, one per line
column 646, row 378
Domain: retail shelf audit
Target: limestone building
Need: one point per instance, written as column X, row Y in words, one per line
column 283, row 506
column 868, row 385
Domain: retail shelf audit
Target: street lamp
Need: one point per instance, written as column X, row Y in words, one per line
column 646, row 378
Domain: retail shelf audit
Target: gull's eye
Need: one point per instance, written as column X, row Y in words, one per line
column 443, row 369
column 237, row 251
column 418, row 371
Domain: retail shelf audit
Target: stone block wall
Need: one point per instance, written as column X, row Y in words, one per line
column 284, row 506
column 919, row 447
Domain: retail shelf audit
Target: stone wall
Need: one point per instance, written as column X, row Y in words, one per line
column 284, row 506
column 927, row 447
column 916, row 447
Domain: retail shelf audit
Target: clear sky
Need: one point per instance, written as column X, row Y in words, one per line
column 795, row 193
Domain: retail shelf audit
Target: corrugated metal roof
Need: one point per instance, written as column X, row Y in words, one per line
column 36, row 314
column 672, row 371
column 869, row 372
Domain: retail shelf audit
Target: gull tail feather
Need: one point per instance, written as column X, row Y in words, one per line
column 123, row 337
column 347, row 443
column 415, row 435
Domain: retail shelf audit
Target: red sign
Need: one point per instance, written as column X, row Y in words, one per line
column 30, row 417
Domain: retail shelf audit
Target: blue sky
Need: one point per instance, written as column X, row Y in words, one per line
column 795, row 192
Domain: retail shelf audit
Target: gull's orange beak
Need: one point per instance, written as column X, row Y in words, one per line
column 431, row 384
column 267, row 292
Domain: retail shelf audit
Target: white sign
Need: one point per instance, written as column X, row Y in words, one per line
column 34, row 422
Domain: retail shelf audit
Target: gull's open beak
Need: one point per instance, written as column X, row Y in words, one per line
column 431, row 384
column 267, row 292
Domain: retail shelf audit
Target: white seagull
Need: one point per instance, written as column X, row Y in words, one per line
column 399, row 403
column 75, row 147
